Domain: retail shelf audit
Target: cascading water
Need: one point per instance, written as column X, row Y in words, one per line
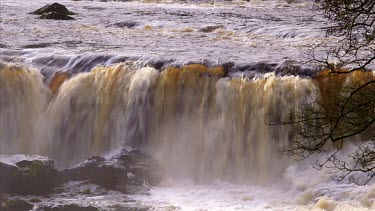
column 23, row 97
column 215, row 126
column 199, row 124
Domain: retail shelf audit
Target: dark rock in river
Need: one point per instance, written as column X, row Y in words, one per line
column 56, row 16
column 69, row 207
column 54, row 11
column 15, row 205
column 101, row 172
column 208, row 29
column 55, row 7
column 127, row 24
column 129, row 172
column 25, row 174
column 143, row 166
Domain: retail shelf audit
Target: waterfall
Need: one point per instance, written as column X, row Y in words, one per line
column 198, row 123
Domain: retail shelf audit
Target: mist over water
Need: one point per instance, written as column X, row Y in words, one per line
column 153, row 76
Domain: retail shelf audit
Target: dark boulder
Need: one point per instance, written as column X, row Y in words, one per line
column 131, row 171
column 99, row 171
column 142, row 165
column 56, row 16
column 15, row 205
column 26, row 174
column 55, row 7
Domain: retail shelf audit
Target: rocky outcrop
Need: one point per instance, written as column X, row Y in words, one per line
column 129, row 172
column 25, row 174
column 54, row 11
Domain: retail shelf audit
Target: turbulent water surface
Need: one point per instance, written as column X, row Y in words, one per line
column 191, row 83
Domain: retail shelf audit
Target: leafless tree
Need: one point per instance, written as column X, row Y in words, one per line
column 344, row 111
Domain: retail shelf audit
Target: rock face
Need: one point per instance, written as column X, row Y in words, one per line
column 126, row 172
column 54, row 11
column 23, row 174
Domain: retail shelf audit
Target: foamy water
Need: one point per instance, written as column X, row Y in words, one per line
column 245, row 33
column 300, row 189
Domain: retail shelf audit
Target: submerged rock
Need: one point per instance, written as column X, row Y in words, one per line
column 69, row 207
column 25, row 174
column 130, row 172
column 55, row 7
column 208, row 29
column 127, row 24
column 56, row 16
column 15, row 205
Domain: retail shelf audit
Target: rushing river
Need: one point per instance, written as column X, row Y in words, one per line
column 191, row 83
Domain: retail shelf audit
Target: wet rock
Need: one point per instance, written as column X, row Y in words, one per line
column 38, row 45
column 15, row 205
column 208, row 29
column 54, row 11
column 55, row 7
column 25, row 174
column 127, row 24
column 143, row 166
column 69, row 207
column 56, row 16
column 96, row 158
column 130, row 172
column 99, row 171
column 79, row 189
column 35, row 200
